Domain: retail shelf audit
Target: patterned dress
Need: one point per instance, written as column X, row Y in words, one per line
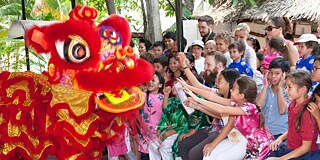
column 151, row 114
column 259, row 139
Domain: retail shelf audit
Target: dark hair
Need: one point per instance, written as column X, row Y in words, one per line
column 248, row 87
column 170, row 35
column 191, row 58
column 300, row 78
column 230, row 75
column 148, row 57
column 279, row 45
column 317, row 58
column 158, row 44
column 146, row 43
column 260, row 56
column 175, row 56
column 282, row 22
column 206, row 18
column 240, row 46
column 279, row 62
column 163, row 60
column 161, row 81
column 255, row 43
column 314, row 45
column 218, row 57
column 161, row 78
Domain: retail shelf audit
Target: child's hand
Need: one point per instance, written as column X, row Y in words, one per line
column 183, row 136
column 182, row 82
column 314, row 109
column 208, row 148
column 274, row 145
column 282, row 82
column 167, row 76
column 167, row 90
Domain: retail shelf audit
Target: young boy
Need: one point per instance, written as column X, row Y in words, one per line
column 307, row 46
column 158, row 48
column 273, row 100
column 197, row 49
column 236, row 50
column 160, row 64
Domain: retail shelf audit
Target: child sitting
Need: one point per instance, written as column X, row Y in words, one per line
column 196, row 50
column 210, row 46
column 273, row 99
column 236, row 50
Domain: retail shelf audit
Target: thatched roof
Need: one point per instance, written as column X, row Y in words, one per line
column 294, row 9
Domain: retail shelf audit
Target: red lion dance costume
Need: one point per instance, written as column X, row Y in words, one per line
column 84, row 101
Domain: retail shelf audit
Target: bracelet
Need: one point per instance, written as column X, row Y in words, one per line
column 184, row 67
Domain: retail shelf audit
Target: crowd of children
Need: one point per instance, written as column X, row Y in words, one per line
column 245, row 102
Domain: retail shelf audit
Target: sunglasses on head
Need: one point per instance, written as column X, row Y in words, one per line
column 270, row 28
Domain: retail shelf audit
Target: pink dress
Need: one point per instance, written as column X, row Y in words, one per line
column 151, row 115
column 259, row 139
column 268, row 58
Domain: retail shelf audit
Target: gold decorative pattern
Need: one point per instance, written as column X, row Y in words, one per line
column 78, row 102
column 14, row 130
column 74, row 157
column 8, row 147
column 23, row 85
column 81, row 128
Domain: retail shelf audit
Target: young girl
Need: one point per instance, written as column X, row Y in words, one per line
column 302, row 130
column 277, row 49
column 151, row 113
column 174, row 70
column 223, row 40
column 210, row 46
column 192, row 146
column 248, row 119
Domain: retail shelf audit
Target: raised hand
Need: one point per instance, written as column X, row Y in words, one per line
column 167, row 90
column 190, row 93
column 314, row 109
column 182, row 59
column 190, row 102
column 183, row 82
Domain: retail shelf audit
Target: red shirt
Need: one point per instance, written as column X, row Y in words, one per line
column 308, row 127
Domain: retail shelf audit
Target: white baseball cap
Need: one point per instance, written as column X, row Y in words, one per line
column 198, row 43
column 306, row 38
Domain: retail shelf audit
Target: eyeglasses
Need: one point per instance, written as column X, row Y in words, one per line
column 314, row 69
column 270, row 28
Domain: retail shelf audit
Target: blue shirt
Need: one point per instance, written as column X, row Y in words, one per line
column 242, row 67
column 275, row 122
column 305, row 63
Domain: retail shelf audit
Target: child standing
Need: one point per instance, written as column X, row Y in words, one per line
column 158, row 48
column 236, row 50
column 248, row 120
column 307, row 46
column 151, row 114
column 160, row 64
column 197, row 49
column 302, row 130
column 223, row 40
column 273, row 99
column 210, row 46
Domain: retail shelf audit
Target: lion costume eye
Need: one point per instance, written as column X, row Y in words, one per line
column 74, row 50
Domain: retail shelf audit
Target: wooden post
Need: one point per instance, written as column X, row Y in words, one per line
column 179, row 25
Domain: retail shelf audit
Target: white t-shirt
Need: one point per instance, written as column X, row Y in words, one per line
column 229, row 60
column 199, row 65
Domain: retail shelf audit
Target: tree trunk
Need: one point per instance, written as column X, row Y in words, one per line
column 110, row 6
column 153, row 32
